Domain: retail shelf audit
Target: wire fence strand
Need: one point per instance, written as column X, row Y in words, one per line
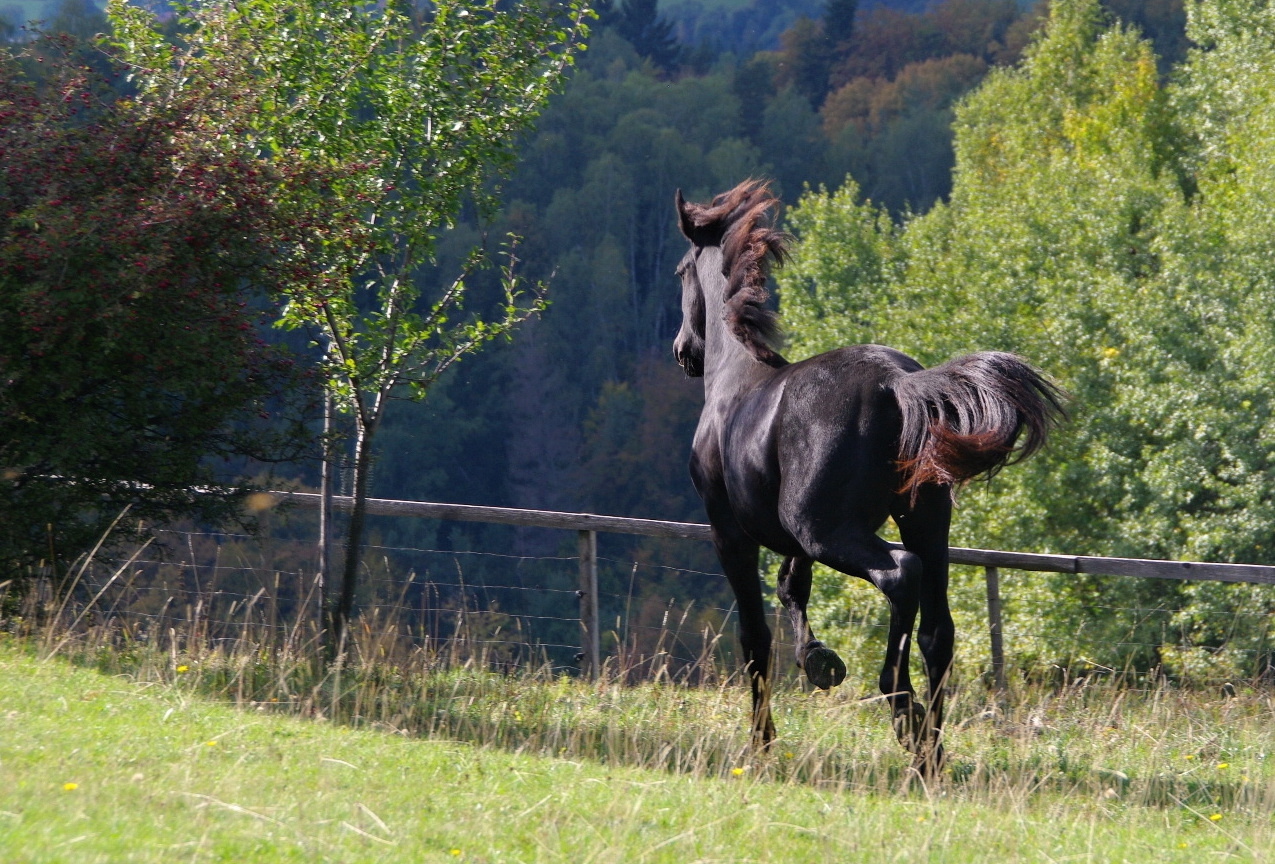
column 508, row 608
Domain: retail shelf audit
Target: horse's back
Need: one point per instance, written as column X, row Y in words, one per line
column 845, row 393
column 859, row 363
column 839, row 407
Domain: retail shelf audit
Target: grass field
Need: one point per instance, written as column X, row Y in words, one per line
column 147, row 767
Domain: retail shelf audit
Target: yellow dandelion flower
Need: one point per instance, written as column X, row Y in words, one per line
column 70, row 787
column 738, row 772
column 210, row 743
column 1215, row 817
column 1183, row 845
column 1224, row 764
column 1189, row 756
column 182, row 669
column 456, row 852
column 787, row 754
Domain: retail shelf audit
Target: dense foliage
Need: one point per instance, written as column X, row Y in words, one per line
column 131, row 357
column 586, row 410
column 1115, row 230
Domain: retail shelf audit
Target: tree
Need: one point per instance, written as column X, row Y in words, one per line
column 805, row 57
column 82, row 18
column 131, row 362
column 420, row 108
column 639, row 22
column 1146, row 289
column 895, row 136
column 838, row 20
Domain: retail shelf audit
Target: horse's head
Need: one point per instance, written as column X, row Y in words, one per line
column 688, row 347
column 703, row 278
column 732, row 243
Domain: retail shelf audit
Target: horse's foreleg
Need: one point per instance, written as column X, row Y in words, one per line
column 823, row 667
column 739, row 561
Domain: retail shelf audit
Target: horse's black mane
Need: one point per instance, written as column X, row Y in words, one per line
column 744, row 219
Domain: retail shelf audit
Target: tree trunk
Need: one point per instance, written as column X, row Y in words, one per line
column 344, row 609
column 325, row 532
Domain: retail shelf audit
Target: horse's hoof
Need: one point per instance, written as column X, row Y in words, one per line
column 824, row 668
column 909, row 727
column 763, row 736
column 929, row 763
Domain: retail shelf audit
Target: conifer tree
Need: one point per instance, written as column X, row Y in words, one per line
column 651, row 35
column 838, row 21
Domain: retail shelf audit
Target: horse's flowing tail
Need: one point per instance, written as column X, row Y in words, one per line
column 963, row 419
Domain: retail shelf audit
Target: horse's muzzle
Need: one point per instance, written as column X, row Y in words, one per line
column 690, row 366
column 691, row 361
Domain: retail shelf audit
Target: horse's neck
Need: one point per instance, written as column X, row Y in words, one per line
column 729, row 369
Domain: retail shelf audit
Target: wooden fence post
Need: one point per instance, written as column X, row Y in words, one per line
column 590, row 644
column 994, row 628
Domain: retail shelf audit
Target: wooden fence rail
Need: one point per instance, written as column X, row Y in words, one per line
column 588, row 525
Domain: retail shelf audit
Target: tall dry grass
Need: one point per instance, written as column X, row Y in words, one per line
column 1119, row 740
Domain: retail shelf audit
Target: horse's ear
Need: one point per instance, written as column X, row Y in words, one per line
column 684, row 220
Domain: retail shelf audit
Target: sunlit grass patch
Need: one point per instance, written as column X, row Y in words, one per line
column 148, row 766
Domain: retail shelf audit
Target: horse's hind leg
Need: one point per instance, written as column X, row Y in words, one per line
column 899, row 585
column 907, row 714
column 897, row 574
column 923, row 527
column 823, row 667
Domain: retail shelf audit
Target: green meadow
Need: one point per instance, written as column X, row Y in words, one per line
column 172, row 761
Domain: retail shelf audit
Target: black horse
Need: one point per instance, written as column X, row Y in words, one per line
column 808, row 459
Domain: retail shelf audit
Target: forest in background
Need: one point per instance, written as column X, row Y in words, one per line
column 585, row 409
column 567, row 414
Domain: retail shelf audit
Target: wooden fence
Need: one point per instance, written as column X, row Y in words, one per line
column 587, row 525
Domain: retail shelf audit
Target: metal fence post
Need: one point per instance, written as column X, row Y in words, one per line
column 590, row 646
column 994, row 628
